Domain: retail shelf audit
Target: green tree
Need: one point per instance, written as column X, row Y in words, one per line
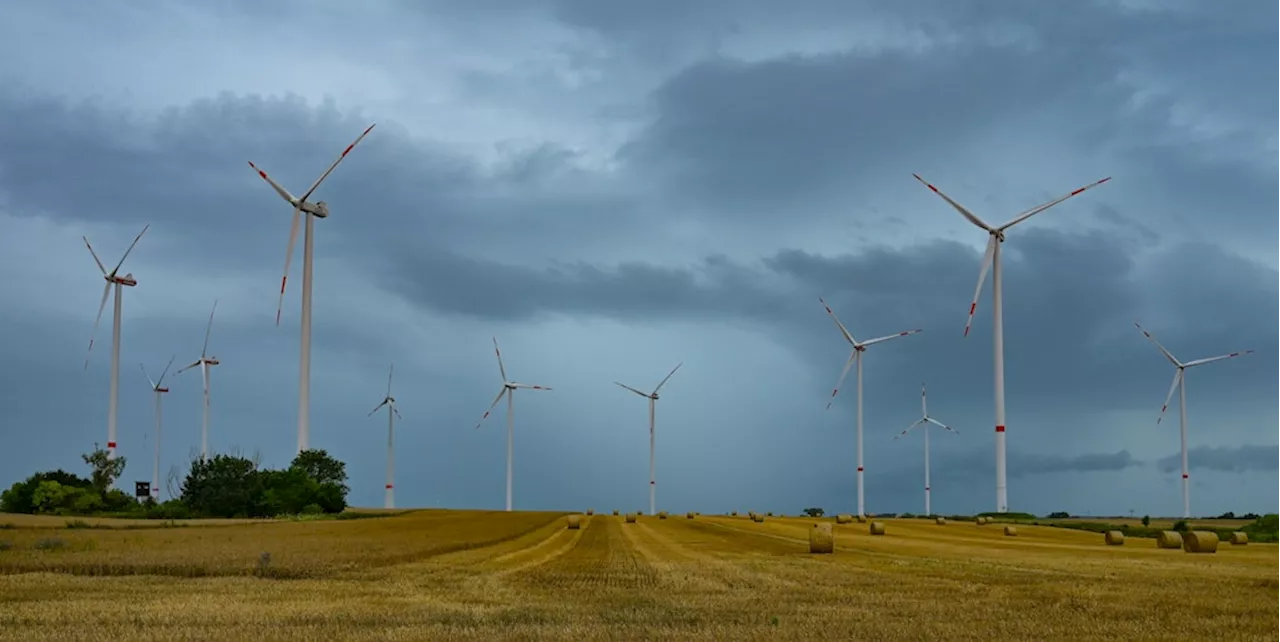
column 814, row 512
column 104, row 470
column 20, row 496
column 1146, row 520
column 49, row 497
column 286, row 492
column 223, row 486
column 318, row 465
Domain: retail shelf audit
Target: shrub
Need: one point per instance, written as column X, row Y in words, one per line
column 1146, row 520
column 1062, row 514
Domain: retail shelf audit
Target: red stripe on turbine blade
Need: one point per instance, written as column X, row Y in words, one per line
column 973, row 306
column 999, row 428
column 347, row 150
column 111, row 444
column 1077, row 191
column 283, row 280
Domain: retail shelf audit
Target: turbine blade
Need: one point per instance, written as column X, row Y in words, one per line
column 1040, row 208
column 377, row 408
column 284, row 193
column 664, row 381
column 288, row 256
column 987, row 258
column 189, row 366
column 135, row 242
column 940, row 424
column 335, row 163
column 1201, row 362
column 389, row 373
column 917, row 423
column 891, row 336
column 498, row 352
column 631, row 389
column 397, row 412
column 208, row 329
column 94, row 255
column 1168, row 355
column 101, row 306
column 144, row 373
column 958, row 207
column 166, row 370
column 924, row 402
column 839, row 382
column 847, row 336
column 530, row 386
column 490, row 409
column 1177, row 379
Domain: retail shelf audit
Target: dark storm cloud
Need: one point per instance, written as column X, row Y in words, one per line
column 1232, row 459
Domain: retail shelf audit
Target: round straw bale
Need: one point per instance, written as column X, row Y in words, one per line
column 575, row 522
column 615, row 512
column 980, row 521
column 1010, row 531
column 1200, row 542
column 941, row 521
column 877, row 528
column 662, row 515
column 1169, row 539
column 862, row 519
column 631, row 518
column 688, row 515
column 757, row 518
column 844, row 519
column 1239, row 538
column 820, row 538
column 1115, row 538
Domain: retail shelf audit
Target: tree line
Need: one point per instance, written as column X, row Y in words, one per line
column 220, row 486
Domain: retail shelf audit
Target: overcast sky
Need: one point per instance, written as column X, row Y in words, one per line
column 610, row 189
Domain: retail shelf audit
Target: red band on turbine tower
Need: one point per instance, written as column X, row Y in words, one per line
column 111, row 444
column 859, row 468
column 389, row 486
column 1184, row 475
column 651, row 482
column 999, row 428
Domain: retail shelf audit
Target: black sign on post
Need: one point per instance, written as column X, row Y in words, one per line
column 142, row 489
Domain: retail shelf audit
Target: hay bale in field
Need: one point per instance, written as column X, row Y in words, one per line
column 1115, row 538
column 1010, row 531
column 662, row 515
column 980, row 521
column 941, row 521
column 877, row 528
column 689, row 515
column 757, row 518
column 1200, row 542
column 575, row 522
column 1169, row 539
column 590, row 512
column 820, row 538
column 1239, row 538
column 862, row 519
column 844, row 519
column 631, row 518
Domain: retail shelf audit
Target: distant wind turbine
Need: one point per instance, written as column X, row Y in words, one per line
column 1180, row 383
column 159, row 391
column 205, row 362
column 315, row 210
column 508, row 389
column 991, row 261
column 653, row 398
column 925, row 420
column 392, row 413
column 856, row 356
column 118, row 282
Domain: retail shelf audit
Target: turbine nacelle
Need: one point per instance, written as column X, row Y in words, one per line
column 162, row 390
column 318, row 209
column 212, row 361
column 127, row 279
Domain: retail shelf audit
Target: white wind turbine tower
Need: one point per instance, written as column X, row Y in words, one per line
column 159, row 390
column 653, row 398
column 856, row 356
column 205, row 362
column 392, row 413
column 314, row 210
column 508, row 389
column 991, row 261
column 1180, row 383
column 118, row 282
column 925, row 420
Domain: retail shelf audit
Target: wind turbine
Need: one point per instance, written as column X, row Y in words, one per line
column 1180, row 383
column 508, row 389
column 319, row 209
column 925, row 420
column 856, row 356
column 652, row 397
column 392, row 413
column 205, row 362
column 156, row 388
column 991, row 261
column 118, row 282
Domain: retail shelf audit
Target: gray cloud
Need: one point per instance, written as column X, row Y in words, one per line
column 1231, row 459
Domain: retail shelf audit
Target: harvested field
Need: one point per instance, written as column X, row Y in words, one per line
column 497, row 575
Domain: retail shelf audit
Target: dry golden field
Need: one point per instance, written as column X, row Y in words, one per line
column 483, row 575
